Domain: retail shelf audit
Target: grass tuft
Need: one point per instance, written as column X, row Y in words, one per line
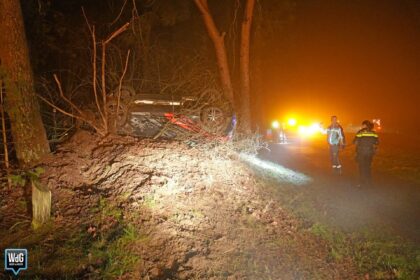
column 380, row 256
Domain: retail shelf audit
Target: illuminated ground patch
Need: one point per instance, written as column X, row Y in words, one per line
column 280, row 172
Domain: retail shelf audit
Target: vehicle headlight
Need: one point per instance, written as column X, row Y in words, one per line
column 275, row 124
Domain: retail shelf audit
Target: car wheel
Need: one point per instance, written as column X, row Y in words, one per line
column 121, row 119
column 213, row 119
column 127, row 92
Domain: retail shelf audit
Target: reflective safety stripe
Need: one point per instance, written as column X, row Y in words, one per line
column 367, row 135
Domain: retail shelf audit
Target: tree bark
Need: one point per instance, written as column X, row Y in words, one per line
column 218, row 40
column 29, row 137
column 4, row 136
column 245, row 110
column 257, row 85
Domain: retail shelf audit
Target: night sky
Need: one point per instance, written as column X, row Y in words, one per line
column 356, row 59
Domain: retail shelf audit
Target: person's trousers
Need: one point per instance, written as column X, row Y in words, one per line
column 334, row 153
column 365, row 164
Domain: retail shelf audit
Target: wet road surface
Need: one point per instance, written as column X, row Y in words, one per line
column 390, row 204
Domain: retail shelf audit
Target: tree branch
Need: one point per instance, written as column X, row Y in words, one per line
column 71, row 115
column 117, row 32
column 60, row 89
column 103, row 66
column 120, row 83
column 94, row 86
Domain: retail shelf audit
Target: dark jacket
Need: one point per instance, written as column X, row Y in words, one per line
column 366, row 141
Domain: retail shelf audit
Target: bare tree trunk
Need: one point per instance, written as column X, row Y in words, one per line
column 28, row 132
column 257, row 84
column 218, row 40
column 29, row 137
column 245, row 110
column 41, row 204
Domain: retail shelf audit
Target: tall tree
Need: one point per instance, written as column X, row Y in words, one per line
column 245, row 109
column 28, row 132
column 242, row 97
column 218, row 40
column 29, row 137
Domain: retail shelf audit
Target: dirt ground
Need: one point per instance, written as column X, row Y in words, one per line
column 125, row 208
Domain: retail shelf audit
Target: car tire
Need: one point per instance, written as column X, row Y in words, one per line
column 112, row 111
column 213, row 119
column 127, row 92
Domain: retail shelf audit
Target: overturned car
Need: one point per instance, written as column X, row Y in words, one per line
column 170, row 115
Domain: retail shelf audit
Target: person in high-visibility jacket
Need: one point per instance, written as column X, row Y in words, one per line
column 366, row 141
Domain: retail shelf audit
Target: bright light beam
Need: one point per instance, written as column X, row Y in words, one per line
column 279, row 172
